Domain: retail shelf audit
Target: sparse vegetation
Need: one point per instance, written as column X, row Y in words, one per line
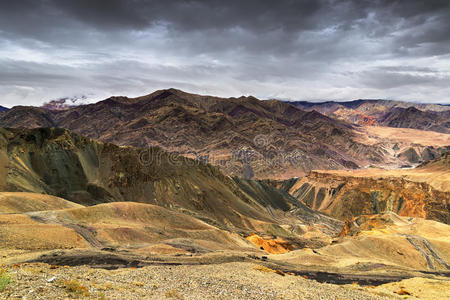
column 75, row 288
column 264, row 269
column 173, row 294
column 402, row 292
column 101, row 296
column 5, row 279
column 268, row 270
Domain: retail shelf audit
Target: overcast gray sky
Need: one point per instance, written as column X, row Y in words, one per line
column 298, row 50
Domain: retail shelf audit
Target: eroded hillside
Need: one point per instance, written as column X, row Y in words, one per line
column 370, row 242
column 420, row 192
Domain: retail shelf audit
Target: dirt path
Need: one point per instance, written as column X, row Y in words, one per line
column 427, row 250
column 86, row 232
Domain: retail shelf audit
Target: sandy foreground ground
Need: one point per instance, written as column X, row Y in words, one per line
column 220, row 281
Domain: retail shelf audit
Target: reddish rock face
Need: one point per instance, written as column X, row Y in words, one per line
column 343, row 197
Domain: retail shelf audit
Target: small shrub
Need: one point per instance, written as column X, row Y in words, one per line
column 263, row 269
column 402, row 291
column 173, row 294
column 268, row 270
column 5, row 279
column 101, row 296
column 76, row 288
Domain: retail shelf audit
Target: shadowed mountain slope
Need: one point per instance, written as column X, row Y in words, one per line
column 412, row 117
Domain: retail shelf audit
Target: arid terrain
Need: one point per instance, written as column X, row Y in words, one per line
column 108, row 211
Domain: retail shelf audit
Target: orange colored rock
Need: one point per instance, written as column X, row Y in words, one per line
column 346, row 229
column 354, row 226
column 276, row 246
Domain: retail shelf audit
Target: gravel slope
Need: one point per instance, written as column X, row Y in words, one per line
column 223, row 281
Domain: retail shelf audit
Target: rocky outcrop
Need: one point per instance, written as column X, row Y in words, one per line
column 276, row 246
column 343, row 196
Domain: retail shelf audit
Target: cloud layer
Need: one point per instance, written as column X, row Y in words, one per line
column 298, row 50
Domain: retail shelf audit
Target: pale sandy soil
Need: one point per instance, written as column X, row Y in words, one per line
column 17, row 202
column 375, row 134
column 422, row 288
column 383, row 245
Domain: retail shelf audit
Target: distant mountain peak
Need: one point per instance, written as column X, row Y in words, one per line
column 412, row 109
column 64, row 103
column 389, row 113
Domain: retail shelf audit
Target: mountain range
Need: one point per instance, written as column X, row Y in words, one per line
column 399, row 114
column 243, row 136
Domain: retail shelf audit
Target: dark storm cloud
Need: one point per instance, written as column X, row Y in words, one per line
column 290, row 49
column 182, row 15
column 188, row 15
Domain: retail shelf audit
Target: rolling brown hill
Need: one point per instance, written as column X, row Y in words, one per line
column 31, row 202
column 244, row 136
